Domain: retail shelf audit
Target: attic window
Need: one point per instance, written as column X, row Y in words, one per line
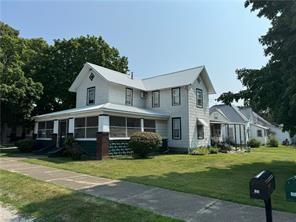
column 198, row 79
column 91, row 76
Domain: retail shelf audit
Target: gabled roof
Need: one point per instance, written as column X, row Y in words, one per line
column 230, row 112
column 179, row 78
column 170, row 80
column 106, row 107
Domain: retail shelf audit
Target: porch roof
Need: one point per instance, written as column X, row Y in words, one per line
column 99, row 109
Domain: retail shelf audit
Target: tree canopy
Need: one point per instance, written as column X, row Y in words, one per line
column 19, row 92
column 35, row 76
column 62, row 63
column 271, row 90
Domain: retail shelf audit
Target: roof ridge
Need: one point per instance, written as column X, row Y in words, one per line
column 173, row 72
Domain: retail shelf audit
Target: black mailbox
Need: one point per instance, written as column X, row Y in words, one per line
column 262, row 185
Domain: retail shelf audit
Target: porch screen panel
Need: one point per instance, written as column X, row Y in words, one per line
column 79, row 128
column 117, row 126
column 149, row 125
column 86, row 127
column 133, row 125
column 91, row 127
column 45, row 129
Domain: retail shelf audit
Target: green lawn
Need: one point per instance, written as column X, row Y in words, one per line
column 223, row 176
column 47, row 202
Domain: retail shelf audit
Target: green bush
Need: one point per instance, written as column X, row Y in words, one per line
column 272, row 141
column 200, row 151
column 213, row 150
column 25, row 145
column 143, row 143
column 253, row 143
column 72, row 148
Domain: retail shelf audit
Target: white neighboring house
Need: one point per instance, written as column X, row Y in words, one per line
column 175, row 105
column 240, row 124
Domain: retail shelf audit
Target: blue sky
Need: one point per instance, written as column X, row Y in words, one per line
column 157, row 36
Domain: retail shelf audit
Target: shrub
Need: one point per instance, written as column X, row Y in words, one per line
column 213, row 150
column 272, row 142
column 200, row 151
column 253, row 143
column 72, row 148
column 143, row 143
column 223, row 147
column 25, row 145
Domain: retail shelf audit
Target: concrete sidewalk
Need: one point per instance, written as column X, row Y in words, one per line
column 180, row 205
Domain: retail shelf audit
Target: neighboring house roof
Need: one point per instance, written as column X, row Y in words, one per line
column 170, row 80
column 107, row 107
column 229, row 112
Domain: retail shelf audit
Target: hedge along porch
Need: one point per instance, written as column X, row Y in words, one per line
column 100, row 130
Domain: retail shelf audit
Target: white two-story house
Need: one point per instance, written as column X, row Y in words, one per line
column 175, row 105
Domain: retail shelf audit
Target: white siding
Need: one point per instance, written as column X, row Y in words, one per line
column 101, row 91
column 117, row 95
column 162, row 128
column 196, row 113
column 173, row 111
column 253, row 134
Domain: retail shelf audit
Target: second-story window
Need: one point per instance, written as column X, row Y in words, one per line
column 155, row 98
column 128, row 96
column 91, row 94
column 176, row 98
column 199, row 98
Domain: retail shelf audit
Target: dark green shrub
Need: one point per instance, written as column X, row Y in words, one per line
column 200, row 151
column 143, row 143
column 272, row 141
column 253, row 143
column 25, row 145
column 72, row 148
column 213, row 150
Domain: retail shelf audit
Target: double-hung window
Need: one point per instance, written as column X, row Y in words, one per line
column 128, row 96
column 176, row 97
column 176, row 128
column 200, row 132
column 259, row 133
column 91, row 94
column 156, row 98
column 199, row 98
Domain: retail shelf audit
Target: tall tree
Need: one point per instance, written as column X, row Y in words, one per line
column 19, row 93
column 62, row 63
column 272, row 89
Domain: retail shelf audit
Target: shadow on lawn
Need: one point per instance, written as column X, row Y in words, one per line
column 82, row 207
column 231, row 183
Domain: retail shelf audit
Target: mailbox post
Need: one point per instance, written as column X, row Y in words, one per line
column 261, row 187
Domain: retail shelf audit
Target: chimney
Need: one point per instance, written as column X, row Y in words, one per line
column 132, row 75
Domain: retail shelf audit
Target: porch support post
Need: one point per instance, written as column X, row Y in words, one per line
column 35, row 130
column 235, row 135
column 103, row 137
column 70, row 127
column 142, row 125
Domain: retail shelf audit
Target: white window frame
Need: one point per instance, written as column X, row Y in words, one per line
column 45, row 129
column 129, row 98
